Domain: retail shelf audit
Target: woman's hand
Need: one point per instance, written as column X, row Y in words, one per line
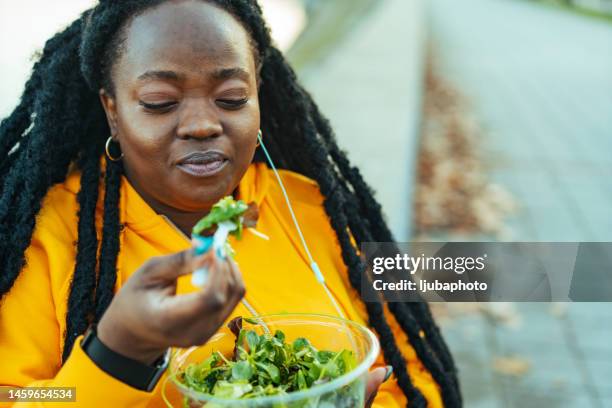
column 146, row 316
column 375, row 379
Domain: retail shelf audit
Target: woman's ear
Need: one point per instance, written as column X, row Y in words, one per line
column 110, row 108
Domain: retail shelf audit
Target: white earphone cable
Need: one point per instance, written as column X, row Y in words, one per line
column 313, row 265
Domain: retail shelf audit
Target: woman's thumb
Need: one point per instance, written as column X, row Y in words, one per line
column 171, row 267
column 375, row 378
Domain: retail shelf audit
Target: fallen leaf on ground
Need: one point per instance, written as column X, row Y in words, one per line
column 502, row 313
column 453, row 192
column 558, row 310
column 515, row 366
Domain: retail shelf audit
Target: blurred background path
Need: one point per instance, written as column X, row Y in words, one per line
column 539, row 80
column 370, row 86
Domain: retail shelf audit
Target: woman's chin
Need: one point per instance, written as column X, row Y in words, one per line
column 203, row 198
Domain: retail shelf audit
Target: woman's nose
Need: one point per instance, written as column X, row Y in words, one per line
column 199, row 120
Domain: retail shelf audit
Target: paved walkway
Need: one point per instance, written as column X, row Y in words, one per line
column 540, row 80
column 370, row 87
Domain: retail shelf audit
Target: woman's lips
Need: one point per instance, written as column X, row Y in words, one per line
column 203, row 163
column 207, row 169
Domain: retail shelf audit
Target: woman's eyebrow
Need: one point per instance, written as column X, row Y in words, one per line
column 227, row 73
column 163, row 75
column 219, row 74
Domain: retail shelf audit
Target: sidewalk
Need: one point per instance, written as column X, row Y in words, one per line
column 539, row 80
column 370, row 88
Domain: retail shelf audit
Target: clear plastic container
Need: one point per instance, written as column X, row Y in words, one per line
column 324, row 332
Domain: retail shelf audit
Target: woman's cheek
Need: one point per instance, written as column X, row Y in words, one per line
column 147, row 137
column 243, row 128
column 155, row 126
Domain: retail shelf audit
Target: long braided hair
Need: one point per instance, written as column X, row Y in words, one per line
column 60, row 121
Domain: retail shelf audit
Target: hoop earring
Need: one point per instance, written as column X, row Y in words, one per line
column 108, row 154
column 259, row 137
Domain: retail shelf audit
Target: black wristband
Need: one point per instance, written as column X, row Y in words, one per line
column 133, row 373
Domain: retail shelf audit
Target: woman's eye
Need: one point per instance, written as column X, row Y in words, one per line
column 232, row 103
column 157, row 107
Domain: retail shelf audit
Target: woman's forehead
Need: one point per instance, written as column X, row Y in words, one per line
column 192, row 35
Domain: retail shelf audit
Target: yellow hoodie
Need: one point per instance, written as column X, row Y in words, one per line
column 276, row 274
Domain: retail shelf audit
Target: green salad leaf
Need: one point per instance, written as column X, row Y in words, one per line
column 265, row 365
column 226, row 209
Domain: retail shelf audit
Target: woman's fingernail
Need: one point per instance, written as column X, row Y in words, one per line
column 389, row 372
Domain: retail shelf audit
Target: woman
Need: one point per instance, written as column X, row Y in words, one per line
column 105, row 169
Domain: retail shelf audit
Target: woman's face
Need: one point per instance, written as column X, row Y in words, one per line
column 185, row 108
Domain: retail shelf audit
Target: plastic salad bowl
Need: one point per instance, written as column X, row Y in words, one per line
column 323, row 332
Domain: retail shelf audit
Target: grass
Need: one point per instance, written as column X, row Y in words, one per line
column 576, row 9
